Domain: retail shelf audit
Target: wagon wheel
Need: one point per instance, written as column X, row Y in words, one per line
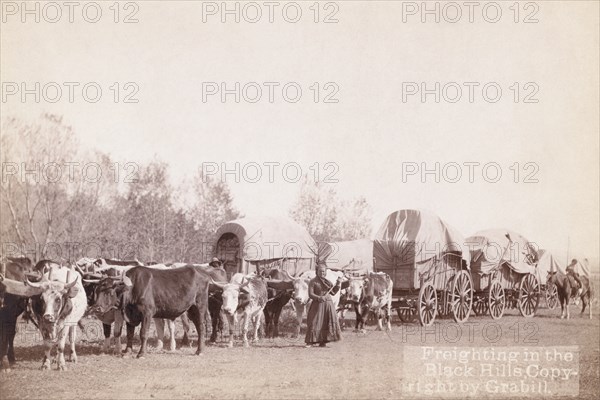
column 496, row 300
column 529, row 291
column 407, row 314
column 480, row 305
column 445, row 300
column 461, row 296
column 551, row 296
column 427, row 304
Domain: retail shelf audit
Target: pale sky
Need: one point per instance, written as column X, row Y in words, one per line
column 370, row 133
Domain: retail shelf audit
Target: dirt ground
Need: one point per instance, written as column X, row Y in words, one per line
column 362, row 365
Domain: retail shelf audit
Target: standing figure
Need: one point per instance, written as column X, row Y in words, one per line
column 322, row 322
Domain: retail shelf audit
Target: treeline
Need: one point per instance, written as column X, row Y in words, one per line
column 64, row 202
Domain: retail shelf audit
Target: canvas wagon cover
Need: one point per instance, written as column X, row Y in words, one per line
column 414, row 236
column 547, row 263
column 490, row 247
column 582, row 267
column 352, row 254
column 268, row 238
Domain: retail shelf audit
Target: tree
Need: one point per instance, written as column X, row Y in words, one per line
column 212, row 206
column 148, row 212
column 59, row 202
column 44, row 190
column 326, row 217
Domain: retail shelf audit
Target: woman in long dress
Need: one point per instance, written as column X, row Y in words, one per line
column 322, row 323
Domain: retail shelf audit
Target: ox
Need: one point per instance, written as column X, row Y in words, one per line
column 214, row 301
column 102, row 300
column 371, row 293
column 58, row 303
column 299, row 286
column 155, row 293
column 215, row 297
column 244, row 298
column 277, row 300
column 11, row 306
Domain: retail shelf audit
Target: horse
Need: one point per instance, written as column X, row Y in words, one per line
column 567, row 289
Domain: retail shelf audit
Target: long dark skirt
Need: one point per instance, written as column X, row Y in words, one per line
column 322, row 325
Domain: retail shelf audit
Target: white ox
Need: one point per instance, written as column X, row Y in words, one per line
column 244, row 299
column 58, row 303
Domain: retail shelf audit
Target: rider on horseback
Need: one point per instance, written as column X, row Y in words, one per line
column 571, row 272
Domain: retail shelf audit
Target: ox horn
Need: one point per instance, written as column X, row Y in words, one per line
column 78, row 268
column 70, row 285
column 127, row 281
column 36, row 285
column 50, row 273
column 220, row 285
column 279, row 284
column 91, row 280
column 287, row 274
column 19, row 289
column 90, row 275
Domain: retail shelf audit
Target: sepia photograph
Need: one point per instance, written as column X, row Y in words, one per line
column 309, row 199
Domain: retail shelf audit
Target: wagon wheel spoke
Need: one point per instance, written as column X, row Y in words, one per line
column 427, row 304
column 528, row 295
column 462, row 295
column 551, row 296
column 407, row 314
column 496, row 299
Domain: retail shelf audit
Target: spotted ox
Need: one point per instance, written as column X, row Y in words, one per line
column 371, row 293
column 58, row 302
column 244, row 299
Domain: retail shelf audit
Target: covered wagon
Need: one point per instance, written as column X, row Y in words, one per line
column 250, row 245
column 424, row 257
column 352, row 256
column 503, row 267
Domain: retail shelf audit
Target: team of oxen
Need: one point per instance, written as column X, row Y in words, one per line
column 56, row 298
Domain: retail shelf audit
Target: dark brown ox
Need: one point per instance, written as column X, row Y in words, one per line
column 156, row 293
column 90, row 284
column 11, row 307
column 278, row 298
